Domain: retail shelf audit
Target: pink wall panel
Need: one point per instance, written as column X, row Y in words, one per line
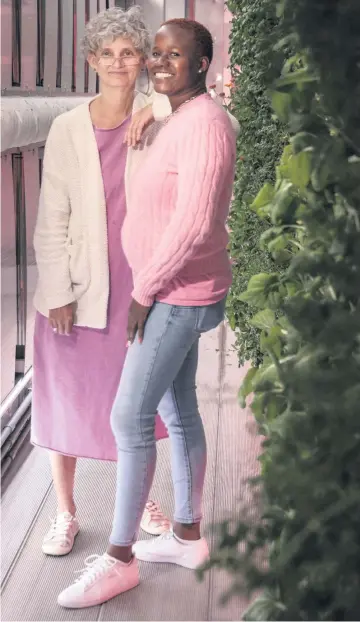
column 92, row 74
column 211, row 13
column 7, row 209
column 6, row 44
column 67, row 17
column 28, row 44
column 8, row 278
column 80, row 64
column 32, row 189
column 51, row 45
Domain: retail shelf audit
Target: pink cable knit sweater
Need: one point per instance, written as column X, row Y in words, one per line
column 174, row 234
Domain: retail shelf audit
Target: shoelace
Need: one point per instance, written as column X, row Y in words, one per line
column 167, row 535
column 95, row 566
column 60, row 528
column 156, row 514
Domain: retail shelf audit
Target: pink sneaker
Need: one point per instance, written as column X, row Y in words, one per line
column 61, row 536
column 103, row 578
column 154, row 521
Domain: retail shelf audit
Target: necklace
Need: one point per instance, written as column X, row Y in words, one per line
column 181, row 105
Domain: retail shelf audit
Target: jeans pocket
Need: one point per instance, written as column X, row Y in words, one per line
column 210, row 317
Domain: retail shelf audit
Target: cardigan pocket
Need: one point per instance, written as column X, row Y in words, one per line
column 79, row 268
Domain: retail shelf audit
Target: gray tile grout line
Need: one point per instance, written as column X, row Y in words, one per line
column 26, row 537
column 221, row 374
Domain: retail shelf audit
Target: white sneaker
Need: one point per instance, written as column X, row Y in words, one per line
column 61, row 536
column 103, row 578
column 154, row 521
column 168, row 549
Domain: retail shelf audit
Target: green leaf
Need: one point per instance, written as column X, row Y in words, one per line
column 232, row 321
column 301, row 76
column 256, row 293
column 282, row 203
column 300, row 169
column 263, row 198
column 291, row 288
column 304, row 140
column 279, row 243
column 281, row 104
column 320, row 176
column 272, row 340
column 266, row 607
column 264, row 319
column 267, row 374
column 280, row 8
column 247, row 386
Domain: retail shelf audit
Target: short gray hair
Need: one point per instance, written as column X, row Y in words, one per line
column 114, row 23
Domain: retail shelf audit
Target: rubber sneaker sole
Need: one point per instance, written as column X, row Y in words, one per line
column 185, row 563
column 95, row 603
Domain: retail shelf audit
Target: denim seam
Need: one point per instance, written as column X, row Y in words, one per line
column 190, row 509
column 141, row 404
column 197, row 319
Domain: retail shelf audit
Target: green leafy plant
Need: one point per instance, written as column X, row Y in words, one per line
column 254, row 64
column 304, row 550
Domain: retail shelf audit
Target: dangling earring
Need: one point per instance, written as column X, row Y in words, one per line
column 200, row 71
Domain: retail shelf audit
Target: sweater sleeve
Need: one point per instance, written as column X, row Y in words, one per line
column 51, row 230
column 205, row 157
column 234, row 123
column 161, row 107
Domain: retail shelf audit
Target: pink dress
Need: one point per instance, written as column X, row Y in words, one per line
column 76, row 377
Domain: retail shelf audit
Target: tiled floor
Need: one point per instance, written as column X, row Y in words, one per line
column 31, row 581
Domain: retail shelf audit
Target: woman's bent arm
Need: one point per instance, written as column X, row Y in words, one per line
column 51, row 232
column 206, row 157
column 161, row 109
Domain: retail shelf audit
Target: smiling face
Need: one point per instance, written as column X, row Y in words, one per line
column 175, row 66
column 117, row 63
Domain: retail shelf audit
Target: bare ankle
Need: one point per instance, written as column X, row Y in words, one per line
column 121, row 553
column 187, row 532
column 66, row 507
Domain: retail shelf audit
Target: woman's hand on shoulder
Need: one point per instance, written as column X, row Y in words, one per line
column 62, row 319
column 140, row 121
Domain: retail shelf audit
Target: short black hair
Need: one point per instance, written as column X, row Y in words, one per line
column 201, row 35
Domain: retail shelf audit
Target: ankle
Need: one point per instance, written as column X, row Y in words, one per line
column 66, row 507
column 121, row 553
column 187, row 532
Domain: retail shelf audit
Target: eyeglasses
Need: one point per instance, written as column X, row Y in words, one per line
column 126, row 61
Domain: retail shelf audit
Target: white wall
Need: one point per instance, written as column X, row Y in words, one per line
column 175, row 8
column 154, row 13
column 157, row 11
column 211, row 13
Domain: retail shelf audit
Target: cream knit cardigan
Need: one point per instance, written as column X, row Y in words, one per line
column 71, row 231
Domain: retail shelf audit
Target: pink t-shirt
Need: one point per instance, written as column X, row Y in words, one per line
column 174, row 235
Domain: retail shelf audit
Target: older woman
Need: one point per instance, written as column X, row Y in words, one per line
column 85, row 282
column 175, row 239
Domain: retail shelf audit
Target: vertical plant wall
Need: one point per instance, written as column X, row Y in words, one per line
column 307, row 390
column 255, row 29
